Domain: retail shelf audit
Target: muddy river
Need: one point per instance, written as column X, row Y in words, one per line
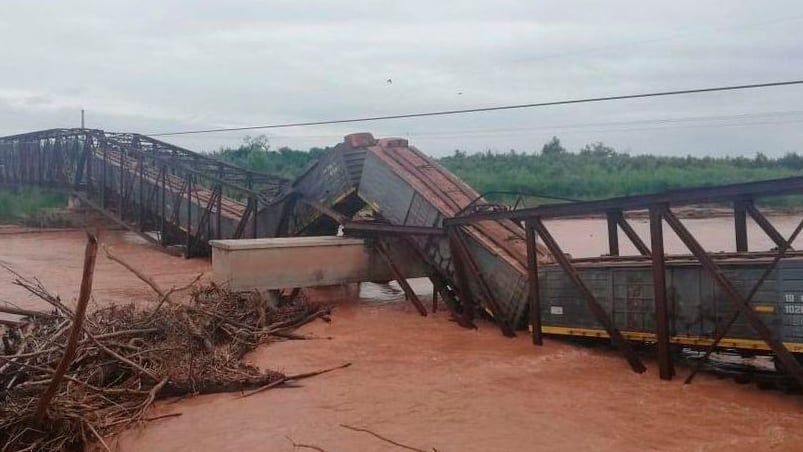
column 427, row 383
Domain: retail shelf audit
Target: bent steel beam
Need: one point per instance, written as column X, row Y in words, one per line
column 632, row 235
column 740, row 225
column 599, row 312
column 767, row 188
column 384, row 251
column 765, row 224
column 470, row 266
column 534, row 287
column 722, row 328
column 613, row 232
column 791, row 365
column 665, row 368
column 389, row 229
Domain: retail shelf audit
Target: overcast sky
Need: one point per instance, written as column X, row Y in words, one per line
column 169, row 65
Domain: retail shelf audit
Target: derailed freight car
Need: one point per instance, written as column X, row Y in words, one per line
column 696, row 304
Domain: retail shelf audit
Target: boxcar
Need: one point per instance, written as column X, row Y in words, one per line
column 696, row 304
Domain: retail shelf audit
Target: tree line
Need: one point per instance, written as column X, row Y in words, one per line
column 595, row 171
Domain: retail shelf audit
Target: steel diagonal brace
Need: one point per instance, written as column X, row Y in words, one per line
column 384, row 252
column 534, row 293
column 722, row 329
column 238, row 232
column 791, row 365
column 765, row 225
column 632, row 235
column 440, row 283
column 599, row 312
column 459, row 244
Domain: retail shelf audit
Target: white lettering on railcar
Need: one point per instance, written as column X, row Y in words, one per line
column 556, row 310
column 793, row 309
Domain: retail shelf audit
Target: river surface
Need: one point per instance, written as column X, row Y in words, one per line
column 425, row 382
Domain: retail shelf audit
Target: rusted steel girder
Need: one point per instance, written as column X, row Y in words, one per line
column 384, row 251
column 665, row 368
column 722, row 193
column 791, row 365
column 325, row 210
column 613, row 232
column 461, row 253
column 722, row 328
column 765, row 224
column 440, row 284
column 599, row 312
column 740, row 225
column 203, row 231
column 632, row 235
column 616, row 219
column 238, row 232
column 389, row 229
column 534, row 293
column 461, row 279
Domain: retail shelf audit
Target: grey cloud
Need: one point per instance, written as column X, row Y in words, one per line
column 179, row 64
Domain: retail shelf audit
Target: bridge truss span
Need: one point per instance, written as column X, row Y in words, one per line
column 167, row 194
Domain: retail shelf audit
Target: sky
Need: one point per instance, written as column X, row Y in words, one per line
column 175, row 65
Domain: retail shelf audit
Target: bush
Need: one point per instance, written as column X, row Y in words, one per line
column 24, row 204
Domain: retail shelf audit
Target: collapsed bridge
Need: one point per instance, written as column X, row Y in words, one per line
column 174, row 197
column 481, row 257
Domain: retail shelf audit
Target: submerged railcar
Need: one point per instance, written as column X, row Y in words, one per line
column 696, row 304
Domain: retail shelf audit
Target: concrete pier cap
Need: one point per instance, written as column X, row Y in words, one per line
column 289, row 262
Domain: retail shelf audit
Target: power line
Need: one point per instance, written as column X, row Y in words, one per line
column 488, row 109
column 630, row 129
column 682, row 122
column 660, row 123
column 493, row 131
column 477, row 133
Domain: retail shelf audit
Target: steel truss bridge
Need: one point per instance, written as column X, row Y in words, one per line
column 167, row 194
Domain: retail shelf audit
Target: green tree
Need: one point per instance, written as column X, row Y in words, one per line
column 553, row 147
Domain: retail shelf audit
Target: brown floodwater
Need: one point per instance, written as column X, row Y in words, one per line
column 588, row 237
column 424, row 381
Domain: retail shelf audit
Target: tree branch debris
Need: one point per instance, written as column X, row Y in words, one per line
column 106, row 368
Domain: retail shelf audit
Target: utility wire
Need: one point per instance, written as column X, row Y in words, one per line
column 493, row 131
column 628, row 129
column 488, row 109
column 660, row 124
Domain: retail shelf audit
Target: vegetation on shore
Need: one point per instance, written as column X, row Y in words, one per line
column 255, row 153
column 24, row 204
column 596, row 171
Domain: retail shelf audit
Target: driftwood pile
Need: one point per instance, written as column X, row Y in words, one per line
column 69, row 379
